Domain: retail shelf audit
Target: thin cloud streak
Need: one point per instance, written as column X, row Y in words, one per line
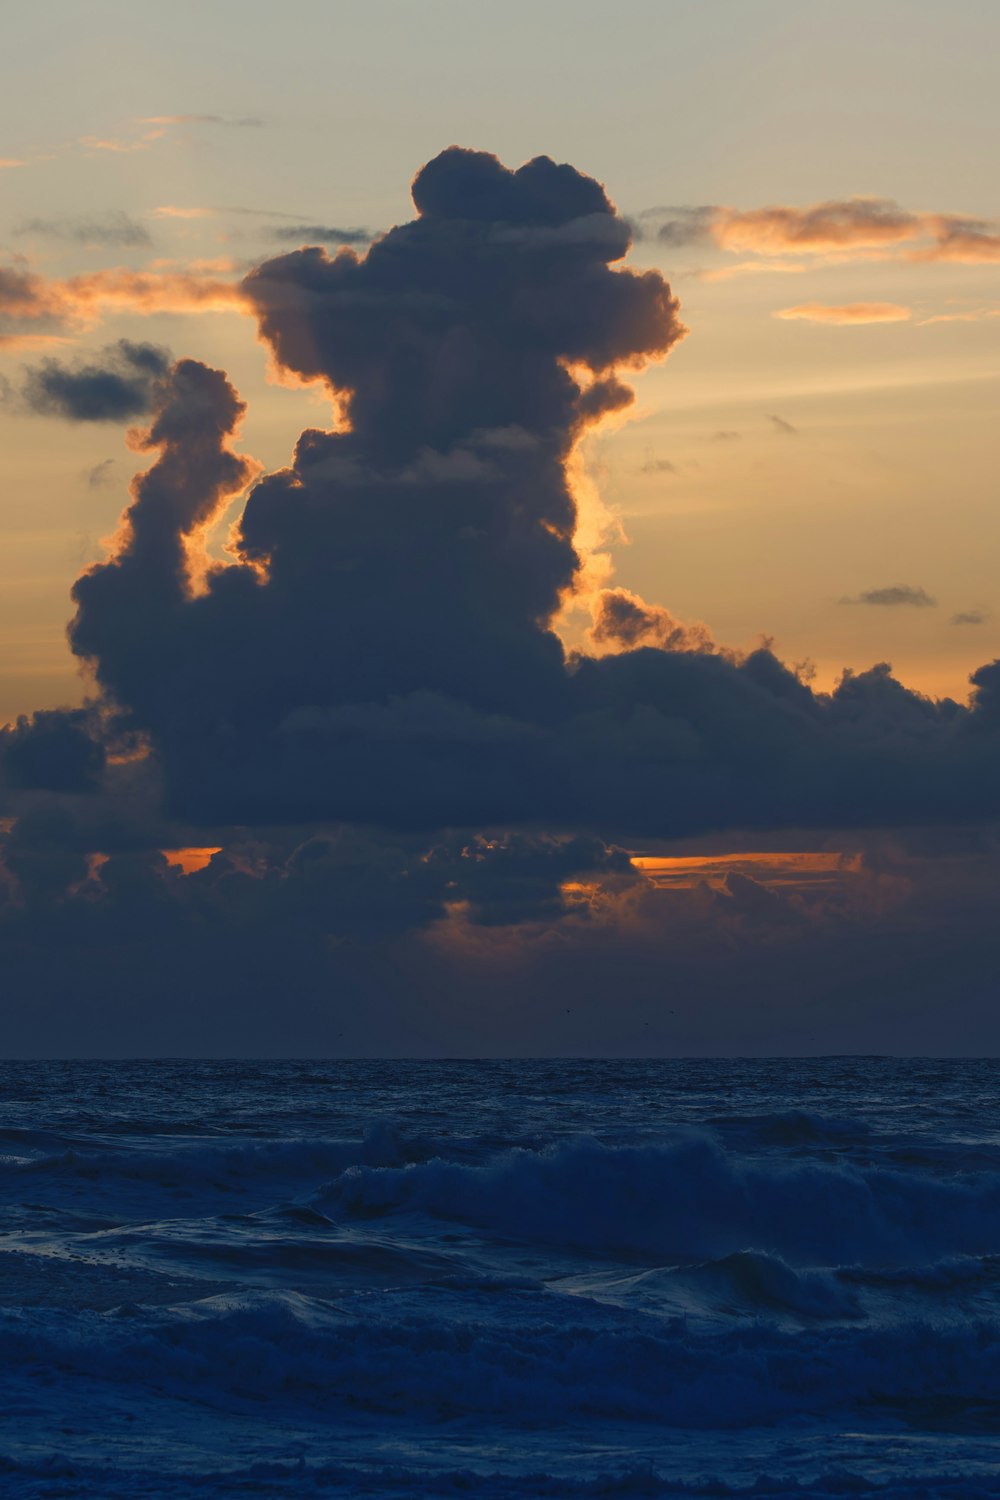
column 857, row 228
column 114, row 228
column 33, row 305
column 899, row 595
column 846, row 313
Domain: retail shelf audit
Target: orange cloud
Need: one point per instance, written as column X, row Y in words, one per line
column 850, row 312
column 969, row 242
column 10, row 161
column 191, row 859
column 99, row 143
column 795, row 871
column 838, row 230
column 32, row 305
column 852, row 223
column 975, row 315
column 173, row 211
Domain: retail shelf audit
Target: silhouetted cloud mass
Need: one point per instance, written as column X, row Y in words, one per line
column 381, row 649
column 116, row 385
column 367, row 709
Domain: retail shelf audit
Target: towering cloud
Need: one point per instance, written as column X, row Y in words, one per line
column 391, row 604
column 381, row 647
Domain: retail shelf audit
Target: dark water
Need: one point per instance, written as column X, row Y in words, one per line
column 526, row 1279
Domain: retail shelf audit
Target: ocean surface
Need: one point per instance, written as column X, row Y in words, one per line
column 678, row 1278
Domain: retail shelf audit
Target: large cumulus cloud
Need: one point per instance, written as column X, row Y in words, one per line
column 381, row 647
column 366, row 708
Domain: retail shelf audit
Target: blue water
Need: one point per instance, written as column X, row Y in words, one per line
column 525, row 1279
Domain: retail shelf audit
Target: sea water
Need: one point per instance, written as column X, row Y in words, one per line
column 530, row 1278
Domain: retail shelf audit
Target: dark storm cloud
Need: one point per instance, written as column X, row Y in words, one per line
column 391, row 607
column 115, row 228
column 116, row 385
column 319, row 234
column 893, row 597
column 381, row 651
column 51, row 751
column 417, row 800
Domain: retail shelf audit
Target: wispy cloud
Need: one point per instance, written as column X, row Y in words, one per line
column 970, row 242
column 780, row 425
column 178, row 211
column 970, row 617
column 834, row 231
column 99, row 474
column 974, row 315
column 37, row 308
column 119, row 147
column 846, row 313
column 7, row 162
column 895, row 596
column 319, row 234
column 114, row 228
column 232, row 122
column 857, row 223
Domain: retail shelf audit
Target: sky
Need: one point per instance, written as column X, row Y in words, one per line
column 553, row 582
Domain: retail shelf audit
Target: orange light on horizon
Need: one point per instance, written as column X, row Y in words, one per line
column 191, row 859
column 797, row 870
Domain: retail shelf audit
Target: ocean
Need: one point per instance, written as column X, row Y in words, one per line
column 516, row 1278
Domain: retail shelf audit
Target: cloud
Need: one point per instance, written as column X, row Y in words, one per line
column 970, row 617
column 99, row 474
column 119, row 147
column 235, row 122
column 624, row 622
column 834, row 231
column 451, row 546
column 35, row 305
column 113, row 228
column 366, row 711
column 8, row 163
column 51, row 751
column 658, row 466
column 319, row 234
column 725, row 435
column 894, row 596
column 975, row 315
column 683, row 226
column 849, row 313
column 116, row 386
column 174, row 211
column 852, row 223
column 966, row 241
column 780, row 425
